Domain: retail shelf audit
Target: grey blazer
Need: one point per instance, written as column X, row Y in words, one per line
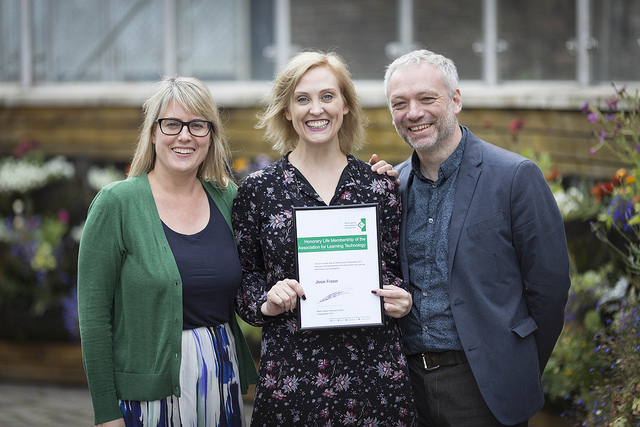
column 508, row 274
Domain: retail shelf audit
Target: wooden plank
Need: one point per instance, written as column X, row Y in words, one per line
column 110, row 133
column 59, row 363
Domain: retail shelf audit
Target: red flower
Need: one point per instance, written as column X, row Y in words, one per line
column 63, row 216
column 551, row 175
column 516, row 125
column 601, row 189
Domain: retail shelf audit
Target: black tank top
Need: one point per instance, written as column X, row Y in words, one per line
column 210, row 271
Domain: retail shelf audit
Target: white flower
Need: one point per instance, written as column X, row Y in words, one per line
column 76, row 232
column 99, row 177
column 22, row 176
column 569, row 201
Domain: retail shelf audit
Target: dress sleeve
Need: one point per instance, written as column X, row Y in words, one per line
column 100, row 258
column 246, row 218
column 390, row 215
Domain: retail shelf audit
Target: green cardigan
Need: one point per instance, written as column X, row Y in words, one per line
column 128, row 286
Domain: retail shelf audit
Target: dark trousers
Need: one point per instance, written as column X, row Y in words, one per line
column 449, row 397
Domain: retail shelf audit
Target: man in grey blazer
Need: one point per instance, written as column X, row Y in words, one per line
column 483, row 248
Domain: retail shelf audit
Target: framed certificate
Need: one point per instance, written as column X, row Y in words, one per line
column 338, row 264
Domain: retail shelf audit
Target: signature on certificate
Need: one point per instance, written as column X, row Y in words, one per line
column 335, row 295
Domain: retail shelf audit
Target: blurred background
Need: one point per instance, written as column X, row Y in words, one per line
column 555, row 81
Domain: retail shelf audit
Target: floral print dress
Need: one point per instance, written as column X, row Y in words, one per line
column 326, row 377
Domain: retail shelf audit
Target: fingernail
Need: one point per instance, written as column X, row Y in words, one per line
column 374, row 292
column 304, row 297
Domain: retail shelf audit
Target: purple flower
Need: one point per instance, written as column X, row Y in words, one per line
column 613, row 102
column 70, row 314
column 593, row 117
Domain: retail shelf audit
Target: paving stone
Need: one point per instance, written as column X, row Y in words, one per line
column 46, row 405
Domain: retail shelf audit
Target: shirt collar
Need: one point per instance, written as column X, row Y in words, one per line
column 449, row 166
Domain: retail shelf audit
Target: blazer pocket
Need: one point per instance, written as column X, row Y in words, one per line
column 525, row 327
column 487, row 224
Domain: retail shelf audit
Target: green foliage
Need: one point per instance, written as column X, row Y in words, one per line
column 34, row 272
column 253, row 335
column 593, row 375
column 595, row 367
column 616, row 394
column 41, row 216
column 569, row 374
column 618, row 130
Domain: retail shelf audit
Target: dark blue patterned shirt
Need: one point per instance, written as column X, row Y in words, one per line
column 430, row 326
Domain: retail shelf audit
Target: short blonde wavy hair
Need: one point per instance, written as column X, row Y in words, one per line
column 196, row 99
column 280, row 132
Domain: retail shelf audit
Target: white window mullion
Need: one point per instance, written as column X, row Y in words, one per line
column 170, row 34
column 584, row 43
column 405, row 43
column 490, row 42
column 243, row 48
column 26, row 43
column 282, row 33
column 405, row 25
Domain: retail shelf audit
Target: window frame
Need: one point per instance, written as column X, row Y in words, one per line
column 244, row 92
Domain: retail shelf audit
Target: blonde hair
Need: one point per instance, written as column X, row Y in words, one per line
column 280, row 132
column 196, row 99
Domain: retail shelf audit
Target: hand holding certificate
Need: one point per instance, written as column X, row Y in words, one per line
column 338, row 260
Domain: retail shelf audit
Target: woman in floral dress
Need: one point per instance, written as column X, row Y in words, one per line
column 323, row 377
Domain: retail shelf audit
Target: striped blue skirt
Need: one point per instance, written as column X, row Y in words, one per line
column 209, row 382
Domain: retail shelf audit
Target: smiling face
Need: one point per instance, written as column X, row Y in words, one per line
column 423, row 112
column 317, row 107
column 181, row 153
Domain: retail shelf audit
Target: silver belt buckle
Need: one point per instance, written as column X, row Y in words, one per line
column 426, row 365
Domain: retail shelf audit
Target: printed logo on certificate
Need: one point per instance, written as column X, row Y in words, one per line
column 338, row 263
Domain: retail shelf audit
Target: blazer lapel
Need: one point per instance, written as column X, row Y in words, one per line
column 468, row 175
column 404, row 170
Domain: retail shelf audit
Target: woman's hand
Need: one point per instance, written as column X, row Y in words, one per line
column 282, row 297
column 397, row 301
column 382, row 167
column 114, row 423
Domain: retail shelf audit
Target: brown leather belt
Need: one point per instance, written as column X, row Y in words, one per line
column 434, row 360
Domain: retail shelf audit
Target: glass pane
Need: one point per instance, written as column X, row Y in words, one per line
column 536, row 33
column 9, row 40
column 208, row 39
column 616, row 28
column 450, row 28
column 136, row 28
column 262, row 26
column 77, row 40
column 357, row 30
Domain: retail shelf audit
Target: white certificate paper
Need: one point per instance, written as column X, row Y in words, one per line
column 338, row 261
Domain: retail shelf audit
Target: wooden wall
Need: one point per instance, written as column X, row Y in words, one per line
column 109, row 134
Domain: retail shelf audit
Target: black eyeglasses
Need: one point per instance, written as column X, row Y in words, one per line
column 174, row 126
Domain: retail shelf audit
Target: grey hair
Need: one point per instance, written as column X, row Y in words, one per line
column 444, row 65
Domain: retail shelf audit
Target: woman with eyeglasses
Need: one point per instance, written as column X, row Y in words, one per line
column 157, row 275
